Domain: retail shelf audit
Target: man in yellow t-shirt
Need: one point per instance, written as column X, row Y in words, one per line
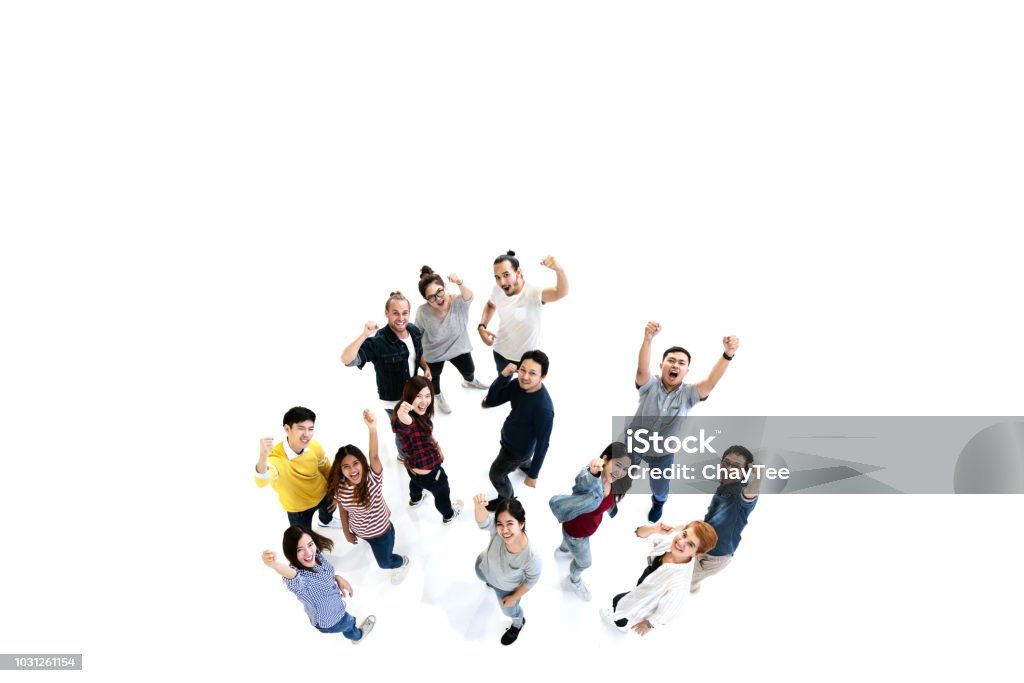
column 297, row 468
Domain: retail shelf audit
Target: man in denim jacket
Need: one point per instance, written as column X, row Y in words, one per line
column 396, row 352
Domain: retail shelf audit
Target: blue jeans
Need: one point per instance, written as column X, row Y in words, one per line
column 659, row 487
column 500, row 362
column 398, row 444
column 305, row 518
column 516, row 612
column 346, row 627
column 383, row 547
column 579, row 548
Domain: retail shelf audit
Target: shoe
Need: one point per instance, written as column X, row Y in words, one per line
column 695, row 589
column 456, row 509
column 474, row 384
column 423, row 497
column 511, row 633
column 562, row 550
column 442, row 404
column 606, row 614
column 579, row 588
column 398, row 573
column 655, row 514
column 492, row 504
column 366, row 625
column 335, row 523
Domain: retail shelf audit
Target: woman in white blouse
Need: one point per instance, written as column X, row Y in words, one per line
column 665, row 583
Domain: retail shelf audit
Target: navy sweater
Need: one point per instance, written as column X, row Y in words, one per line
column 528, row 427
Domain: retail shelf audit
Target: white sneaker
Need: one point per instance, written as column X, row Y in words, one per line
column 579, row 588
column 423, row 497
column 442, row 404
column 456, row 509
column 366, row 625
column 474, row 384
column 398, row 574
column 335, row 523
column 606, row 614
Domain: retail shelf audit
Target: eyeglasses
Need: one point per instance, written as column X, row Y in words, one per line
column 436, row 296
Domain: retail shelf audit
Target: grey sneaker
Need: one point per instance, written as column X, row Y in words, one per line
column 398, row 574
column 561, row 550
column 335, row 523
column 366, row 625
column 474, row 384
column 442, row 404
column 579, row 588
column 423, row 497
column 456, row 509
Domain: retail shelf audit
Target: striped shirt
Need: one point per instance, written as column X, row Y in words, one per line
column 371, row 521
column 318, row 592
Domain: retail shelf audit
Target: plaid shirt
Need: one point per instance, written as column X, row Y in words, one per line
column 419, row 445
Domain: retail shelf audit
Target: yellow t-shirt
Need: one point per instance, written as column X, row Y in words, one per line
column 300, row 483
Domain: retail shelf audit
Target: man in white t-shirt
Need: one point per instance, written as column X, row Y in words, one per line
column 518, row 305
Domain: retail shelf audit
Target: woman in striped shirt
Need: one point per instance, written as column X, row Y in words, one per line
column 364, row 514
column 413, row 424
column 311, row 578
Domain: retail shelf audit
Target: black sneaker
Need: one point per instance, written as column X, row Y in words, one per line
column 511, row 633
column 655, row 514
column 492, row 504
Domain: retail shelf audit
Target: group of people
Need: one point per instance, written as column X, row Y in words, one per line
column 408, row 360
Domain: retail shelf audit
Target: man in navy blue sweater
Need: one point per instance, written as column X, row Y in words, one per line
column 527, row 428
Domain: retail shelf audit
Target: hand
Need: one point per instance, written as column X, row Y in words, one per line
column 344, row 586
column 455, row 279
column 269, row 558
column 487, row 336
column 403, row 410
column 266, row 445
column 480, row 500
column 596, row 465
column 642, row 627
column 349, row 536
column 509, row 370
column 550, row 262
column 665, row 528
column 369, row 329
column 731, row 344
column 509, row 601
column 369, row 419
column 531, row 482
column 426, row 374
column 651, row 330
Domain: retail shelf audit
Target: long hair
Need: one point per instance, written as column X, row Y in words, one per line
column 361, row 491
column 290, row 544
column 617, row 451
column 409, row 393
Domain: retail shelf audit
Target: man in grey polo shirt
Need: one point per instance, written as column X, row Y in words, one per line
column 665, row 401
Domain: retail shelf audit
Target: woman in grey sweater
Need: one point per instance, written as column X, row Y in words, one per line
column 508, row 565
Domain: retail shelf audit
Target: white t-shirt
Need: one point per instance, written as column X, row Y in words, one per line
column 518, row 321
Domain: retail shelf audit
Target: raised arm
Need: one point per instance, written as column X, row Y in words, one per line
column 266, row 445
column 480, row 508
column 371, row 425
column 705, row 386
column 643, row 361
column 561, row 288
column 349, row 354
column 270, row 559
column 498, row 392
column 464, row 290
column 486, row 335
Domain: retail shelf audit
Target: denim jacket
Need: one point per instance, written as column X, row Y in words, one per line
column 587, row 494
column 390, row 358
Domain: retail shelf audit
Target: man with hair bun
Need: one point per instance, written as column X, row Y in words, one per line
column 518, row 305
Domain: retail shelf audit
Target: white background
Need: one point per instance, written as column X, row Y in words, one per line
column 203, row 201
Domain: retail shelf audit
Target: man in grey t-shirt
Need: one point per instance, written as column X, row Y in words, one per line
column 665, row 401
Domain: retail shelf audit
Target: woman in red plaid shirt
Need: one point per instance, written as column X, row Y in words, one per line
column 412, row 422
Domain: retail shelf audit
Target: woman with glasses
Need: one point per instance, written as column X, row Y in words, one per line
column 443, row 320
column 582, row 511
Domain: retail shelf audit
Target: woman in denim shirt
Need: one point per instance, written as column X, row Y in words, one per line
column 582, row 512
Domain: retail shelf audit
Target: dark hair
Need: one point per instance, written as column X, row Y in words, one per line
column 290, row 544
column 335, row 480
column 509, row 256
column 677, row 349
column 395, row 296
column 748, row 457
column 614, row 451
column 298, row 414
column 513, row 507
column 412, row 389
column 427, row 275
column 539, row 357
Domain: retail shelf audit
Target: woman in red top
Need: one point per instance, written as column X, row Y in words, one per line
column 583, row 511
column 412, row 423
